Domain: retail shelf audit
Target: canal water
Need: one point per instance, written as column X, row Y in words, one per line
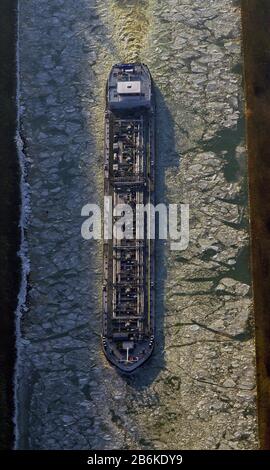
column 198, row 390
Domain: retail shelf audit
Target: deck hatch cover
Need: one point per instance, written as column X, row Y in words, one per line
column 129, row 87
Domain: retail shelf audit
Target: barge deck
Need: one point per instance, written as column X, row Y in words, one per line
column 128, row 289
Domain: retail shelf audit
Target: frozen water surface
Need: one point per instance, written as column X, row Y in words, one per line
column 198, row 390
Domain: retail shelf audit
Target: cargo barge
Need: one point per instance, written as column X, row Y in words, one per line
column 129, row 264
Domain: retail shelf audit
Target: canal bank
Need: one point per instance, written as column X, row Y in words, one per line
column 256, row 37
column 9, row 218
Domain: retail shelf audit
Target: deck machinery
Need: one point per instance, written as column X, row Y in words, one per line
column 128, row 289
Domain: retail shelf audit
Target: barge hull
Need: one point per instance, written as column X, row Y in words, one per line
column 128, row 287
